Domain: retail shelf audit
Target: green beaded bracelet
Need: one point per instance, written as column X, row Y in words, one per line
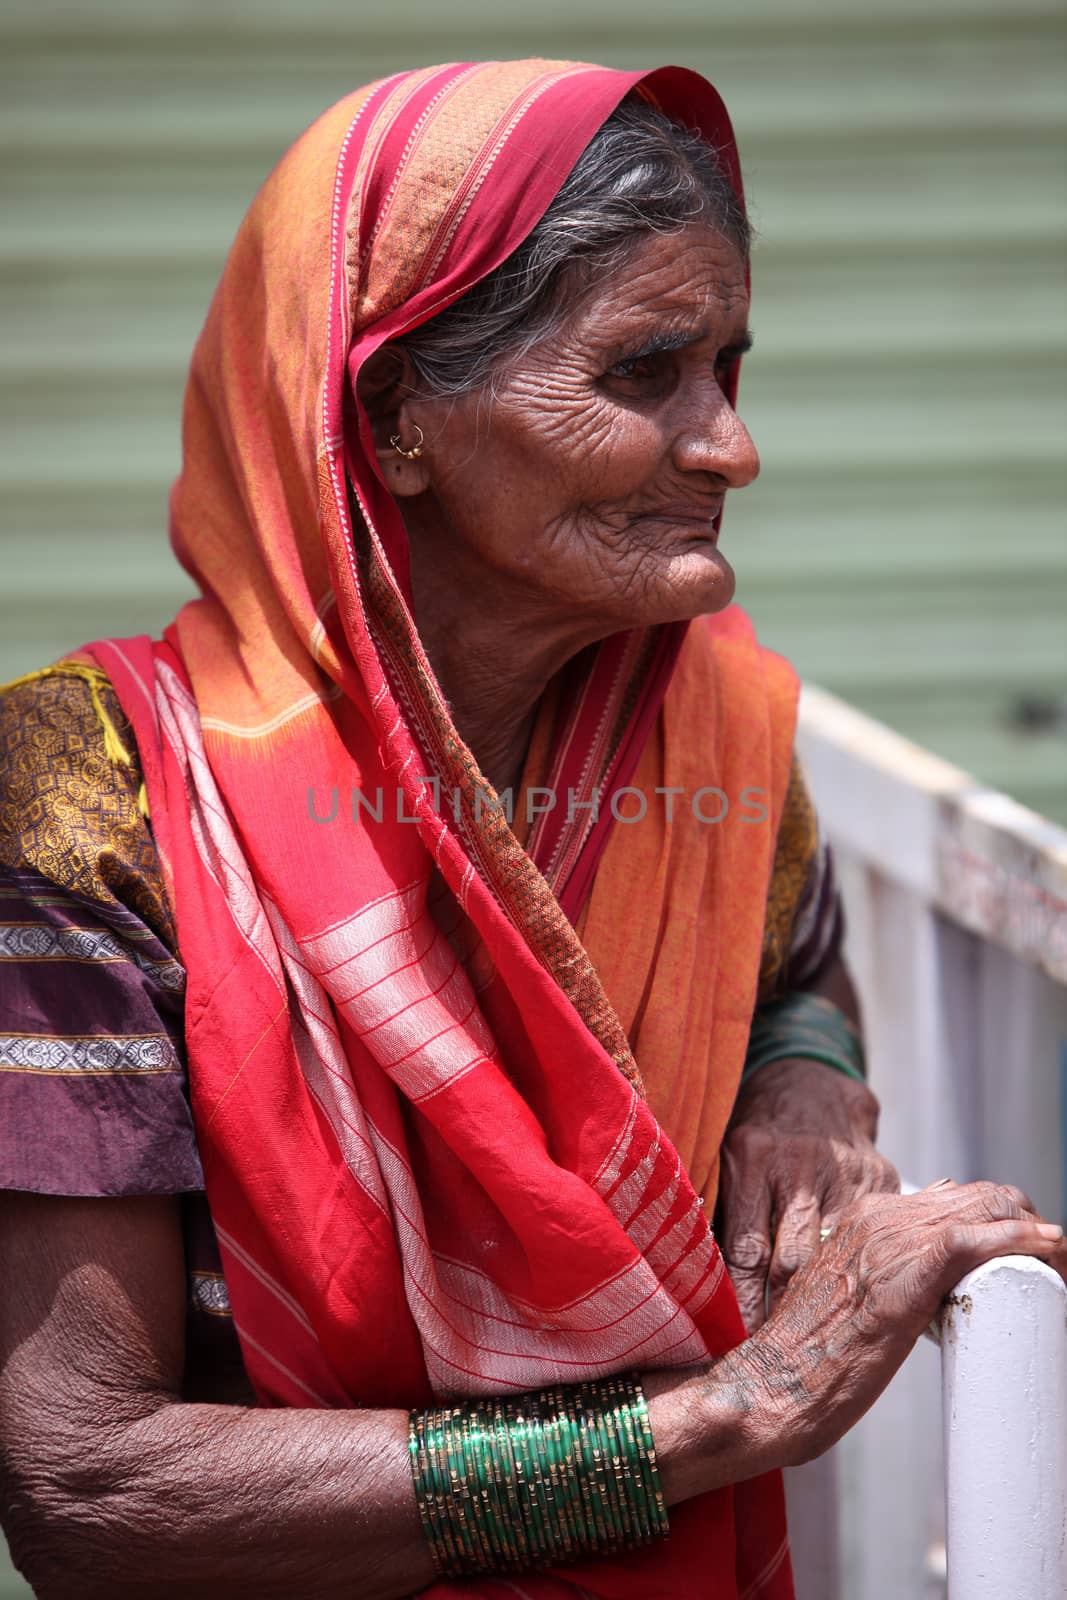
column 808, row 1025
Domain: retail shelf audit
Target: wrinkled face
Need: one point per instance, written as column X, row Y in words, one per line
column 591, row 487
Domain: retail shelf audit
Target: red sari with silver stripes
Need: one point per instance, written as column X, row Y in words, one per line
column 430, row 1165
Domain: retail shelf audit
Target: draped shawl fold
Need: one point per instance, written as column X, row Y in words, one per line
column 432, row 1164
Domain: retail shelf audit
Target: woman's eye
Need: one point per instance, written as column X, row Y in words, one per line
column 636, row 366
column 654, row 367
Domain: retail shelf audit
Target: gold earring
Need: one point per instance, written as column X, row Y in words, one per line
column 416, row 449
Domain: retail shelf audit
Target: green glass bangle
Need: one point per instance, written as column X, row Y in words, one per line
column 618, row 1466
column 807, row 1025
column 538, row 1480
column 503, row 1507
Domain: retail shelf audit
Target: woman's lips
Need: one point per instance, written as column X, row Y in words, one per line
column 699, row 516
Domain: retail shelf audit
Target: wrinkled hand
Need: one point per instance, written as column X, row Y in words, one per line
column 850, row 1316
column 798, row 1151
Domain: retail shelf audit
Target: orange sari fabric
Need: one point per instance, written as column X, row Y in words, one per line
column 680, row 958
column 431, row 1166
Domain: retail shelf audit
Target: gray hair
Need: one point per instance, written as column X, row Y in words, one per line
column 641, row 173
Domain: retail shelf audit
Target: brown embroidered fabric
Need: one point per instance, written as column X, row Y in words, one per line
column 66, row 810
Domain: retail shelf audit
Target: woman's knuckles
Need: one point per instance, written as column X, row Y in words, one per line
column 862, row 1211
column 888, row 1177
column 750, row 1141
column 787, row 1261
column 863, row 1109
column 985, row 1202
column 747, row 1250
column 855, row 1170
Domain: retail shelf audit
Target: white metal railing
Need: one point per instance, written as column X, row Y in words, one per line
column 956, row 904
column 1004, row 1394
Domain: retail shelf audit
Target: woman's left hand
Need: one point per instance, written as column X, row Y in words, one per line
column 799, row 1149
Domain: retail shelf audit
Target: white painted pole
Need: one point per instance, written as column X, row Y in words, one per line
column 1004, row 1400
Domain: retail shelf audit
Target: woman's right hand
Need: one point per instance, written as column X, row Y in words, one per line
column 851, row 1315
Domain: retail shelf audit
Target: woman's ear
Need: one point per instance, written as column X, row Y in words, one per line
column 386, row 389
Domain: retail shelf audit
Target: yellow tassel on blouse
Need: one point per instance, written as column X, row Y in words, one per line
column 96, row 678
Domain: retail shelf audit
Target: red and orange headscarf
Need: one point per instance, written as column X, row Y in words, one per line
column 418, row 1096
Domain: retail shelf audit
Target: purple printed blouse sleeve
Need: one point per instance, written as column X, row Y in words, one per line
column 93, row 1096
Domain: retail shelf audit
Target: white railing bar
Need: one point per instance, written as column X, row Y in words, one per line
column 1004, row 1401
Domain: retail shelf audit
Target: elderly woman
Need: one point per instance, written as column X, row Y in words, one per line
column 461, row 808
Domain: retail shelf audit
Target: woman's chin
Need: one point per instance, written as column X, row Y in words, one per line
column 701, row 580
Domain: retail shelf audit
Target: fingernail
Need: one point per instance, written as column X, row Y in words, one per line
column 1050, row 1230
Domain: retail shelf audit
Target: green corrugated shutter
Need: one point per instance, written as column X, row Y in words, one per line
column 905, row 545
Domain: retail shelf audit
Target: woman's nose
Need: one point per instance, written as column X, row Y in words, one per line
column 718, row 443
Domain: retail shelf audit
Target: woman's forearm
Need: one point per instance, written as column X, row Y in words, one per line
column 207, row 1499
column 229, row 1500
column 717, row 1424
